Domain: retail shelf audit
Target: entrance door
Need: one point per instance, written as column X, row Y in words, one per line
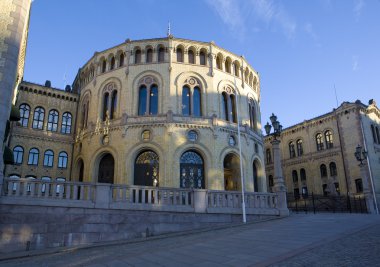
column 106, row 169
column 231, row 166
column 146, row 169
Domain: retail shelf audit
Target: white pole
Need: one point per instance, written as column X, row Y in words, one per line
column 240, row 159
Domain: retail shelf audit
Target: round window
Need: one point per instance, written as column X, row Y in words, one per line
column 145, row 135
column 231, row 140
column 192, row 136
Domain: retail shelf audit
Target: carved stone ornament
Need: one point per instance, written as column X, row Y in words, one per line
column 105, row 140
column 109, row 87
column 192, row 82
column 229, row 90
column 147, row 80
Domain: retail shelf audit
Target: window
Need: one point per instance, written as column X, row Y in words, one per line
column 33, row 156
column 192, row 136
column 85, row 113
column 202, row 58
column 299, row 148
column 112, row 63
column 333, row 171
column 233, row 108
column 38, row 118
column 225, row 106
column 105, row 106
column 191, row 101
column 104, row 66
column 121, row 59
column 319, row 141
column 268, row 156
column 142, row 100
column 329, row 139
column 372, row 129
column 66, row 123
column 229, row 106
column 48, row 158
column 271, row 183
column 359, row 185
column 62, row 160
column 236, row 68
column 153, row 100
column 24, row 114
column 227, row 65
column 147, row 169
column 303, row 174
column 137, row 56
column 191, row 57
column 60, row 187
column 295, row 176
column 219, row 60
column 191, row 170
column 323, row 170
column 149, row 55
column 148, row 100
column 18, row 154
column 251, row 111
column 186, row 101
column 161, row 54
column 231, row 140
column 15, row 182
column 292, row 152
column 179, row 54
column 46, row 184
column 53, row 121
column 377, row 134
column 113, row 104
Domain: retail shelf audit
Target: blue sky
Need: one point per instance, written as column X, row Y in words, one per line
column 301, row 49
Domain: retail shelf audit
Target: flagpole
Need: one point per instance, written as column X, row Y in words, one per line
column 241, row 159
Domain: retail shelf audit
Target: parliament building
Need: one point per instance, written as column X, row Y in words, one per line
column 157, row 112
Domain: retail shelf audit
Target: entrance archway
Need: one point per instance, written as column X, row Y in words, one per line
column 81, row 170
column 106, row 169
column 231, row 165
column 147, row 169
column 192, row 170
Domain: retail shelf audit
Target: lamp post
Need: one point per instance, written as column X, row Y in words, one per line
column 279, row 184
column 361, row 156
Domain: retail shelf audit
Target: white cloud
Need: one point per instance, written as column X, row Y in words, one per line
column 355, row 63
column 358, row 7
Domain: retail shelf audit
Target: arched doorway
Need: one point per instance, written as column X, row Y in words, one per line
column 192, row 170
column 231, row 165
column 255, row 178
column 146, row 169
column 106, row 169
column 258, row 181
column 81, row 170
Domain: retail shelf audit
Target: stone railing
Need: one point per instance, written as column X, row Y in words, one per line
column 127, row 197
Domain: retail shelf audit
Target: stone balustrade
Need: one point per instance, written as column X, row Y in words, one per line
column 129, row 197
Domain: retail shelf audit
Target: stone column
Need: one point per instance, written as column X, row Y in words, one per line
column 279, row 184
column 366, row 189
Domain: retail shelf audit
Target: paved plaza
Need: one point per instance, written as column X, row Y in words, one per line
column 299, row 240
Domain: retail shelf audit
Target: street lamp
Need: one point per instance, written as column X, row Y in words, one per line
column 277, row 127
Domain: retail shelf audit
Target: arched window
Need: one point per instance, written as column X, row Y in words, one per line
column 48, row 158
column 295, row 176
column 192, row 170
column 62, row 160
column 255, row 178
column 303, row 174
column 225, row 106
column 268, row 154
column 202, row 58
column 197, row 111
column 191, row 57
column 106, row 169
column 231, row 166
column 372, row 129
column 271, row 182
column 186, row 101
column 33, row 156
column 233, row 108
column 252, row 116
column 359, row 185
column 227, row 65
column 236, row 68
column 104, row 66
column 38, row 118
column 323, row 170
column 137, row 56
column 319, row 141
column 333, row 171
column 53, row 121
column 153, row 100
column 292, row 152
column 142, row 100
column 329, row 139
column 112, row 63
column 149, row 55
column 161, row 54
column 105, row 106
column 66, row 123
column 121, row 59
column 191, row 101
column 147, row 169
column 24, row 114
column 179, row 54
column 18, row 154
column 377, row 134
column 113, row 104
column 219, row 60
column 299, row 148
column 85, row 114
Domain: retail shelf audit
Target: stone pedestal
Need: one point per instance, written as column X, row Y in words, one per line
column 200, row 200
column 103, row 196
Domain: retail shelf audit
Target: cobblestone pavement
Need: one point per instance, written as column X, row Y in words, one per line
column 299, row 240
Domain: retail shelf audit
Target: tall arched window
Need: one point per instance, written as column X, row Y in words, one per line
column 66, row 123
column 121, row 59
column 377, row 134
column 84, row 113
column 137, row 56
column 105, row 106
column 227, row 65
column 62, row 160
column 149, row 55
column 295, row 176
column 179, row 54
column 255, row 178
column 219, row 62
column 233, row 108
column 333, row 171
column 186, row 101
column 18, row 154
column 191, row 56
column 161, row 54
column 113, row 104
column 197, row 104
column 104, row 65
column 236, row 68
column 38, row 118
column 142, row 100
column 303, row 174
column 24, row 115
column 112, row 63
column 299, row 148
column 192, row 170
column 106, row 169
column 48, row 158
column 329, row 139
column 271, row 181
column 372, row 129
column 323, row 170
column 33, row 156
column 252, row 115
column 292, row 152
column 153, row 100
column 53, row 121
column 225, row 106
column 202, row 58
column 268, row 154
column 191, row 100
column 319, row 141
column 147, row 169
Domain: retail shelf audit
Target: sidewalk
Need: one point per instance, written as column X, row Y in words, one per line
column 299, row 240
